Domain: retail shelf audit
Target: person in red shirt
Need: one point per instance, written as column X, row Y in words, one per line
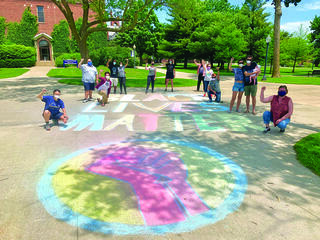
column 281, row 109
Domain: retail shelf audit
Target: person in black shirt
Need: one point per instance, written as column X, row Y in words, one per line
column 171, row 72
column 112, row 65
column 250, row 87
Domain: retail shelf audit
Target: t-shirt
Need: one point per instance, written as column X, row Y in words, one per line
column 170, row 68
column 238, row 75
column 201, row 70
column 113, row 70
column 249, row 69
column 52, row 105
column 152, row 71
column 121, row 71
column 208, row 75
column 215, row 84
column 88, row 73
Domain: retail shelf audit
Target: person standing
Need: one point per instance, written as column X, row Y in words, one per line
column 151, row 76
column 200, row 73
column 281, row 109
column 122, row 77
column 208, row 74
column 89, row 75
column 51, row 111
column 170, row 74
column 112, row 65
column 238, row 87
column 250, row 88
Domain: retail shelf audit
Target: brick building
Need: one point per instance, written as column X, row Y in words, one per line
column 48, row 15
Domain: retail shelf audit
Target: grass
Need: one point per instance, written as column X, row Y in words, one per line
column 135, row 77
column 308, row 152
column 12, row 72
column 295, row 80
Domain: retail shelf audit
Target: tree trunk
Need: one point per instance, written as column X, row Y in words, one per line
column 218, row 64
column 211, row 61
column 83, row 47
column 141, row 60
column 271, row 65
column 294, row 63
column 222, row 65
column 185, row 63
column 276, row 47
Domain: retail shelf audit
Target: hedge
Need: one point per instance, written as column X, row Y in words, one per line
column 17, row 56
column 67, row 56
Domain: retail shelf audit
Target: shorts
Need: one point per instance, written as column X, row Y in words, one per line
column 169, row 76
column 250, row 90
column 88, row 86
column 114, row 82
column 55, row 116
column 238, row 87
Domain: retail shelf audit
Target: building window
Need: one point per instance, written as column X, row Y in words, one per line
column 40, row 14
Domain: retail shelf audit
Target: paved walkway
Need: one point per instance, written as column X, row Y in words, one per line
column 282, row 197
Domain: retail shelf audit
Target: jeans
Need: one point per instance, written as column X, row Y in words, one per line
column 150, row 80
column 218, row 96
column 200, row 79
column 122, row 81
column 267, row 117
column 205, row 86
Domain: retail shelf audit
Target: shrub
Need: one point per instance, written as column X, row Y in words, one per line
column 17, row 56
column 67, row 56
column 2, row 29
column 12, row 30
column 61, row 38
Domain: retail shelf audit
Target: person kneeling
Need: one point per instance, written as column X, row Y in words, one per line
column 52, row 108
column 214, row 87
column 281, row 109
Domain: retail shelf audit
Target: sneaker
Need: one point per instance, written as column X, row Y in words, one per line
column 282, row 130
column 204, row 95
column 228, row 111
column 165, row 90
column 171, row 89
column 266, row 130
column 90, row 99
column 85, row 100
column 209, row 101
column 55, row 122
column 238, row 111
column 47, row 127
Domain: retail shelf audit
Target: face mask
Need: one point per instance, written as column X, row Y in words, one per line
column 241, row 65
column 108, row 77
column 248, row 61
column 120, row 65
column 89, row 64
column 114, row 63
column 282, row 93
column 56, row 96
column 208, row 68
column 170, row 62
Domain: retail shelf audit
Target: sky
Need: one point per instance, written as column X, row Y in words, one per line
column 292, row 17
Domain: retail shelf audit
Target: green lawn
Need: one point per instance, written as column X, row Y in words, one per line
column 12, row 72
column 294, row 80
column 135, row 77
column 308, row 152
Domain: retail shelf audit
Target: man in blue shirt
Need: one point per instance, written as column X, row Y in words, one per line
column 52, row 108
column 238, row 87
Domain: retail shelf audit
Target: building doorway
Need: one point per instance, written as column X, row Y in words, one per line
column 44, row 50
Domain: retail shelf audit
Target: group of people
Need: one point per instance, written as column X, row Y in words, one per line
column 245, row 81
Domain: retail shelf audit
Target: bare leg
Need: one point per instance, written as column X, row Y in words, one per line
column 234, row 95
column 172, row 85
column 86, row 94
column 114, row 89
column 239, row 100
column 167, row 80
column 247, row 103
column 46, row 116
column 254, row 100
column 90, row 94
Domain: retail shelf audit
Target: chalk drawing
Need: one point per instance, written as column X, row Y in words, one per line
column 152, row 109
column 126, row 120
column 170, row 196
column 81, row 122
column 150, row 121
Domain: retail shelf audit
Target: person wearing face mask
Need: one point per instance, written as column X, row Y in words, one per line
column 89, row 75
column 122, row 76
column 238, row 87
column 170, row 74
column 207, row 76
column 151, row 76
column 201, row 73
column 250, row 87
column 281, row 109
column 104, row 87
column 51, row 111
column 114, row 71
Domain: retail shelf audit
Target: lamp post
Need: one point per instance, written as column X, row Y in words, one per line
column 268, row 40
column 134, row 55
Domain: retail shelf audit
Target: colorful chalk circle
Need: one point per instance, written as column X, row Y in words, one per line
column 142, row 187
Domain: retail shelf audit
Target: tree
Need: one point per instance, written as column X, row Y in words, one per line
column 297, row 47
column 61, row 38
column 2, row 29
column 127, row 12
column 276, row 32
column 145, row 37
column 12, row 32
column 315, row 38
column 256, row 28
